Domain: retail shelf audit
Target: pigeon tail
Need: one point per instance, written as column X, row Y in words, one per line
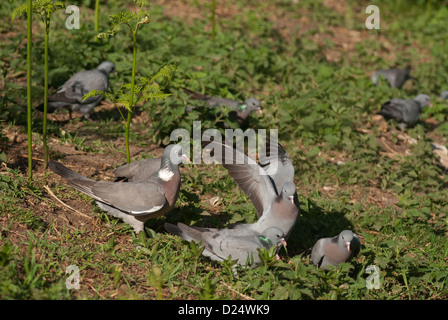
column 390, row 113
column 50, row 108
column 196, row 95
column 74, row 179
column 65, row 172
column 185, row 232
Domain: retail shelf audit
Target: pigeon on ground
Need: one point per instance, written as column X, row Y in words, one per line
column 271, row 189
column 133, row 202
column 242, row 109
column 405, row 112
column 333, row 251
column 71, row 93
column 221, row 244
column 138, row 171
column 444, row 95
column 395, row 77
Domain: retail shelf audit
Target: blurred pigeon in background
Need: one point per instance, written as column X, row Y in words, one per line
column 444, row 95
column 395, row 77
column 242, row 109
column 405, row 112
column 333, row 251
column 70, row 94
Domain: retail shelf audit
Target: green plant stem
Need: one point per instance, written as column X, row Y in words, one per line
column 405, row 279
column 131, row 102
column 128, row 126
column 97, row 15
column 28, row 91
column 213, row 19
column 44, row 125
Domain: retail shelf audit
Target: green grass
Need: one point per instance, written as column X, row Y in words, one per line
column 351, row 170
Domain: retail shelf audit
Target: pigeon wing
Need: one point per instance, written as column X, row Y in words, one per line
column 139, row 171
column 278, row 165
column 137, row 199
column 393, row 109
column 247, row 174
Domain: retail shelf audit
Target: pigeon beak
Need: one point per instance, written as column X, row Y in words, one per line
column 430, row 104
column 347, row 244
column 185, row 158
column 259, row 110
column 284, row 242
column 292, row 199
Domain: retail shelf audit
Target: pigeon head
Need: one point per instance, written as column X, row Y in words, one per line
column 423, row 100
column 272, row 237
column 107, row 67
column 172, row 156
column 345, row 239
column 444, row 95
column 288, row 191
column 174, row 153
column 252, row 104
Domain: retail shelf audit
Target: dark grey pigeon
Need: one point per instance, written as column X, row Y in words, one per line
column 70, row 94
column 242, row 109
column 133, row 202
column 138, row 170
column 404, row 112
column 333, row 251
column 444, row 95
column 395, row 77
column 221, row 244
column 275, row 205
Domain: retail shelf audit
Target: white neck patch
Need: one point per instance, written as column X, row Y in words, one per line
column 166, row 174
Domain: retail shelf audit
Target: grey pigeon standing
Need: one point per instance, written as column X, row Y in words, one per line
column 271, row 189
column 70, row 94
column 242, row 109
column 221, row 244
column 133, row 202
column 404, row 112
column 395, row 77
column 333, row 251
column 444, row 95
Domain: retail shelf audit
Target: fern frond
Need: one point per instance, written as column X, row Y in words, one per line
column 144, row 20
column 20, row 10
column 94, row 93
column 122, row 17
column 166, row 72
column 53, row 6
column 42, row 7
column 154, row 92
